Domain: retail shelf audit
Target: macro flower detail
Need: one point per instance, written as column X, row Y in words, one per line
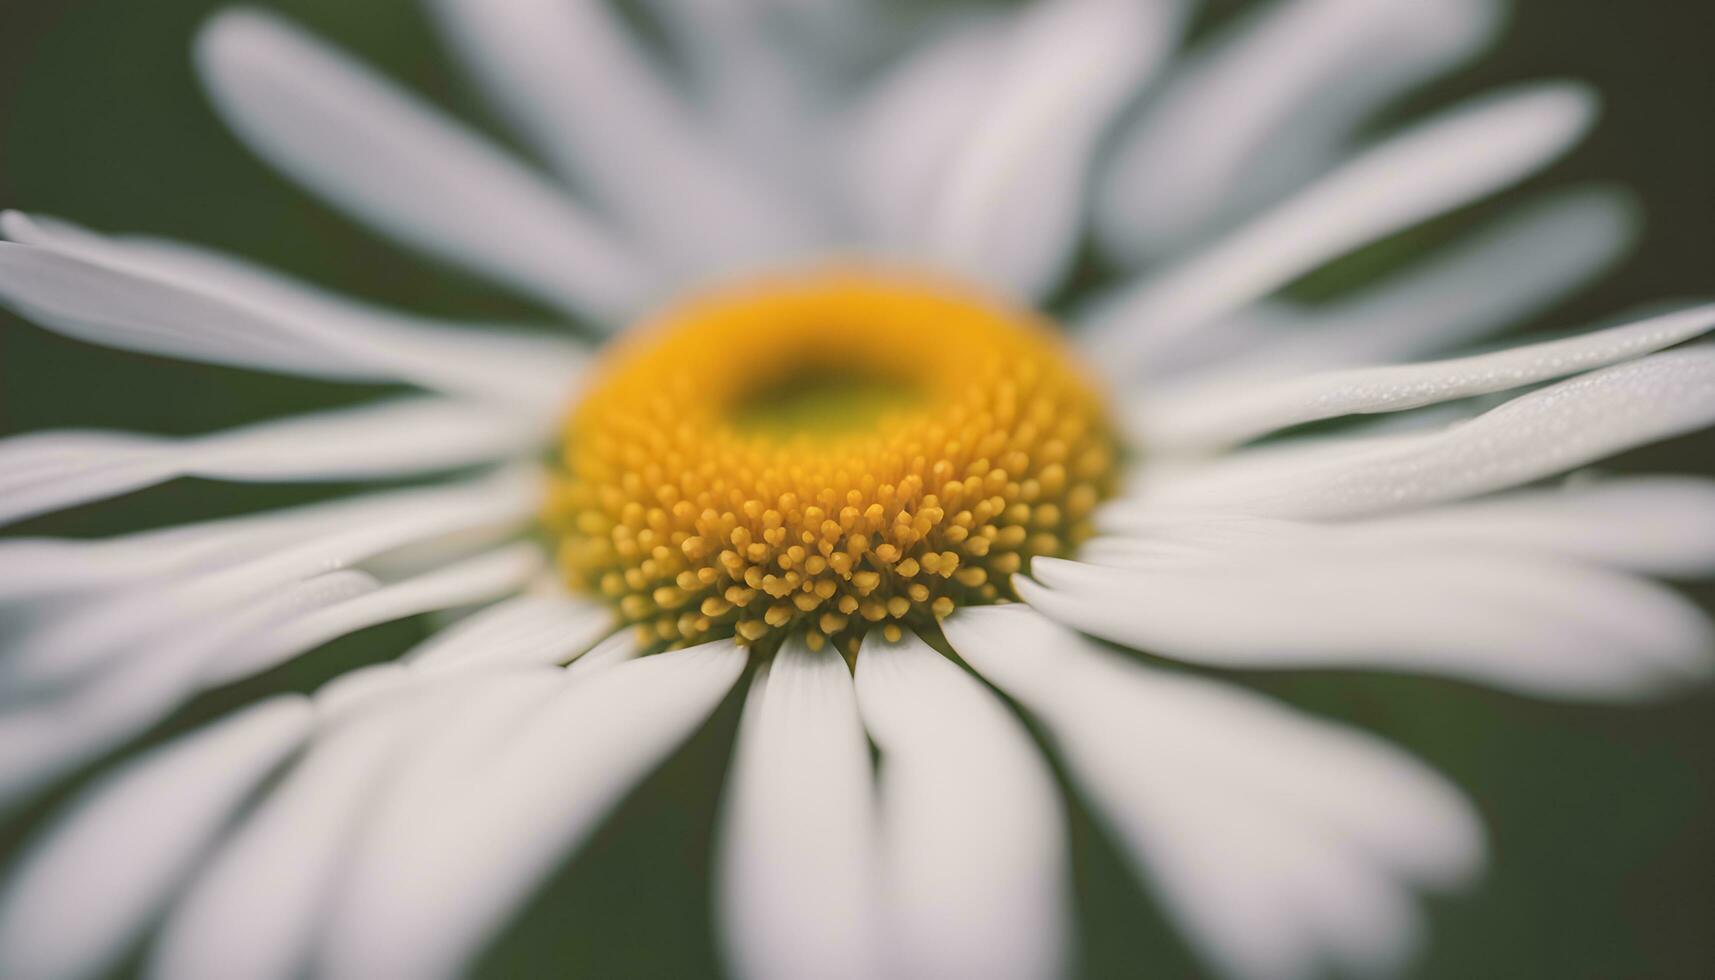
column 824, row 455
column 944, row 409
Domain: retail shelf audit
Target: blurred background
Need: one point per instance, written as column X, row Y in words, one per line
column 1602, row 818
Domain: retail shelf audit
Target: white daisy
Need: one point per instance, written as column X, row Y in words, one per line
column 841, row 449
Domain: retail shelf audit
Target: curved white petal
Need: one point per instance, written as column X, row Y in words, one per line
column 409, row 171
column 1500, row 275
column 40, row 740
column 616, row 649
column 1270, row 103
column 763, row 88
column 169, row 298
column 1538, row 626
column 1657, row 525
column 973, row 839
column 1662, row 525
column 268, row 547
column 41, row 568
column 905, row 132
column 483, row 578
column 1460, row 155
column 1214, row 419
column 47, row 471
column 254, row 912
column 528, row 630
column 214, row 573
column 1012, row 203
column 796, row 866
column 482, row 813
column 1281, row 844
column 1536, row 435
column 574, row 81
column 82, row 896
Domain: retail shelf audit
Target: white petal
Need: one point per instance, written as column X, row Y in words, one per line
column 906, row 132
column 463, row 836
column 1235, row 414
column 1549, row 431
column 1541, row 627
column 796, row 866
column 377, row 683
column 47, row 471
column 1505, row 273
column 257, row 560
column 614, row 650
column 1278, row 842
column 1660, row 525
column 1167, row 478
column 574, row 81
column 483, row 578
column 1463, row 154
column 82, row 896
column 1012, row 204
column 254, row 912
column 283, row 543
column 973, row 839
column 170, row 298
column 412, row 173
column 44, row 739
column 524, row 631
column 1656, row 525
column 36, row 568
column 251, row 912
column 762, row 88
column 1268, row 104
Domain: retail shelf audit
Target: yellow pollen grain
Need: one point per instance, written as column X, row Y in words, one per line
column 825, row 454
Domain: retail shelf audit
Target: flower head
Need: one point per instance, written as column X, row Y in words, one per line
column 840, row 449
column 823, row 455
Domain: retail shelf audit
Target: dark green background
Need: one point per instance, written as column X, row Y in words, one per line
column 1603, row 819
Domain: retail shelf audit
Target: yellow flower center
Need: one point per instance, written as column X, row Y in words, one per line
column 826, row 453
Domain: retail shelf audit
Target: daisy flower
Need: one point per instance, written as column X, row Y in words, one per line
column 833, row 456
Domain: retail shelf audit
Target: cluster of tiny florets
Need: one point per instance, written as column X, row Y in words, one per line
column 695, row 526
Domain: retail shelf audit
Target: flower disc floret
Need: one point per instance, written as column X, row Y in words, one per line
column 825, row 454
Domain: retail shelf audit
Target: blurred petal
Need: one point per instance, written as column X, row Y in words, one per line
column 1656, row 525
column 616, row 649
column 483, row 813
column 1458, row 156
column 1270, row 103
column 47, row 471
column 202, row 648
column 254, row 912
column 1536, row 435
column 1012, row 205
column 273, row 545
column 1281, row 844
column 796, row 875
column 1537, row 626
column 410, row 172
column 484, row 578
column 528, row 630
column 305, row 544
column 1236, row 414
column 180, row 301
column 1661, row 525
column 762, row 86
column 1507, row 272
column 44, row 739
column 973, row 841
column 573, row 80
column 82, row 896
column 908, row 129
